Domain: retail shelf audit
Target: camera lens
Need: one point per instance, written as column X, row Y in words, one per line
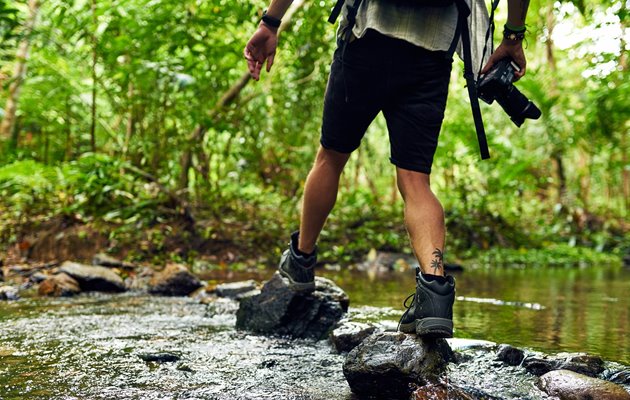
column 517, row 106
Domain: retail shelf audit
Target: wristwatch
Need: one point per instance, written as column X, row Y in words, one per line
column 271, row 21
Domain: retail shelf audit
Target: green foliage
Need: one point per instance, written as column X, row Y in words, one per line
column 162, row 67
column 8, row 21
column 550, row 255
column 94, row 186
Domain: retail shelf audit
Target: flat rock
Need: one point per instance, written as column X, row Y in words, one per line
column 279, row 310
column 234, row 289
column 569, row 385
column 349, row 334
column 60, row 285
column 174, row 280
column 8, row 293
column 106, row 260
column 390, row 365
column 93, row 278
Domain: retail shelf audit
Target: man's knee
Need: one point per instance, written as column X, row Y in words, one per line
column 412, row 181
column 332, row 159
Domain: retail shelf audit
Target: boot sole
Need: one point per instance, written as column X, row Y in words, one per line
column 429, row 327
column 434, row 327
column 297, row 286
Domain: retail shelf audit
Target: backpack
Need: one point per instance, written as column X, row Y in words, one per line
column 462, row 31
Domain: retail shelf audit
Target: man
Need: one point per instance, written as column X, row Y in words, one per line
column 394, row 60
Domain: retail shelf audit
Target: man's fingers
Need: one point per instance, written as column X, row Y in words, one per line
column 256, row 70
column 270, row 61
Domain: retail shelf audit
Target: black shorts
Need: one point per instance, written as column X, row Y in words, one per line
column 407, row 83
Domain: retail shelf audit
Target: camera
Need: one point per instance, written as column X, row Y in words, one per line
column 497, row 85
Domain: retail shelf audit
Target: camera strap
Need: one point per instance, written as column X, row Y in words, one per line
column 471, row 85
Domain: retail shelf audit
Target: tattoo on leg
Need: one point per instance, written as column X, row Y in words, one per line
column 438, row 261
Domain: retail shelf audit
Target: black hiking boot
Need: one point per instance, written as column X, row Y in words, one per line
column 430, row 313
column 298, row 268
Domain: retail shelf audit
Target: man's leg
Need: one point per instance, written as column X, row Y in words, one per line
column 320, row 194
column 424, row 218
column 431, row 312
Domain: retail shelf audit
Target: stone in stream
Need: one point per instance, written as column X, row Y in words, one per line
column 581, row 363
column 617, row 376
column 233, row 290
column 539, row 365
column 585, row 364
column 105, row 260
column 9, row 293
column 569, row 385
column 92, row 278
column 450, row 392
column 159, row 357
column 390, row 365
column 510, row 355
column 38, row 277
column 60, row 285
column 174, row 280
column 279, row 310
column 348, row 335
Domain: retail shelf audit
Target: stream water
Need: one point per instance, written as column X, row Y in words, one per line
column 89, row 347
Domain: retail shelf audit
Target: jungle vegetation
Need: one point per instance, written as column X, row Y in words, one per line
column 135, row 121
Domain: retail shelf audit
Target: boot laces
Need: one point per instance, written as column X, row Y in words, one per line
column 412, row 297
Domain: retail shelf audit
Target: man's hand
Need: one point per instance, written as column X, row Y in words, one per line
column 512, row 49
column 260, row 48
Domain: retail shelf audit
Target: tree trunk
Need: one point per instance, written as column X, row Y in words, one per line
column 8, row 122
column 94, row 57
column 562, row 178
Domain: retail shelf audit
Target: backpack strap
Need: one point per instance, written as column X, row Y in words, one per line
column 334, row 14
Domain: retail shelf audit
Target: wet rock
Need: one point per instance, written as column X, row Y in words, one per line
column 159, row 357
column 105, row 260
column 621, row 377
column 539, row 366
column 8, row 293
column 450, row 392
column 348, row 336
column 234, row 289
column 60, row 285
column 388, row 365
column 569, row 385
column 93, row 278
column 140, row 281
column 184, row 368
column 174, row 280
column 510, row 355
column 277, row 309
column 38, row 277
column 584, row 364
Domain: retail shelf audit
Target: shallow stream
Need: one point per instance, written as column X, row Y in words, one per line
column 89, row 347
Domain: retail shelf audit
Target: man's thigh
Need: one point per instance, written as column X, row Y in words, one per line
column 354, row 95
column 415, row 111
